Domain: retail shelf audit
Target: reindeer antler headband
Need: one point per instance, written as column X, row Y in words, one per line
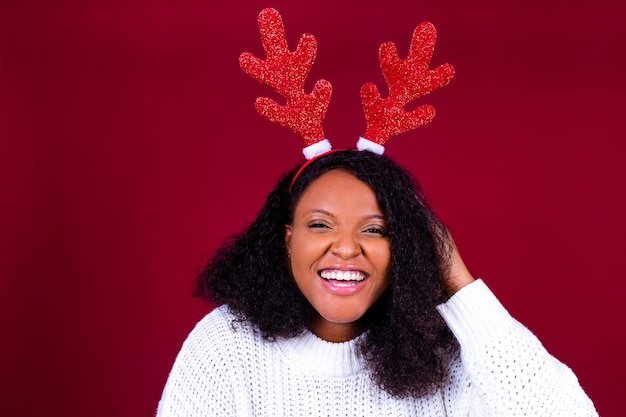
column 286, row 72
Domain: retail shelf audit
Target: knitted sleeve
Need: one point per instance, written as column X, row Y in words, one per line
column 509, row 372
column 199, row 384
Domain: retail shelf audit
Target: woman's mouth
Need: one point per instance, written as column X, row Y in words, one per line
column 343, row 282
column 339, row 275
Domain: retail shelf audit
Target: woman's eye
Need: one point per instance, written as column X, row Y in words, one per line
column 317, row 225
column 377, row 230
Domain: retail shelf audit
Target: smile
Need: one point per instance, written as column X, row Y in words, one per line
column 338, row 275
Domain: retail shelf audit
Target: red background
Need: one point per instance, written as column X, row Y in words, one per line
column 127, row 155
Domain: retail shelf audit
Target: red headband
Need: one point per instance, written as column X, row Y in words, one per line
column 286, row 72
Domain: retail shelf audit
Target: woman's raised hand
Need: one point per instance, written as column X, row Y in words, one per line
column 456, row 274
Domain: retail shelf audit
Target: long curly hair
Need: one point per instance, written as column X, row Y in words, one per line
column 407, row 342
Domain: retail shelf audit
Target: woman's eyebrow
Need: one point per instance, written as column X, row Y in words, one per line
column 328, row 213
column 320, row 211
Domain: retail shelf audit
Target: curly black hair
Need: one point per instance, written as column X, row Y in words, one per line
column 407, row 342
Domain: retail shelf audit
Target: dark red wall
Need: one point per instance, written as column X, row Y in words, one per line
column 128, row 153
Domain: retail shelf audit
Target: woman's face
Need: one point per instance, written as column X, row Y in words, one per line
column 339, row 252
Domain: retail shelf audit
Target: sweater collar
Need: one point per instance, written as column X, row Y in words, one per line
column 321, row 357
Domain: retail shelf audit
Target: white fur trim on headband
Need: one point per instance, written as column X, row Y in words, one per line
column 367, row 145
column 317, row 148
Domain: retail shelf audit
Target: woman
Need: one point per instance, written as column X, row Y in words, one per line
column 346, row 296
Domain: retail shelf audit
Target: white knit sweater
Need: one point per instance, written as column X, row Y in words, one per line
column 503, row 370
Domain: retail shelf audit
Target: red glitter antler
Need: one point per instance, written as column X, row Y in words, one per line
column 407, row 80
column 286, row 72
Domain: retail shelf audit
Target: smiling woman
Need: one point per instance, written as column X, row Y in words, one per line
column 339, row 253
column 346, row 296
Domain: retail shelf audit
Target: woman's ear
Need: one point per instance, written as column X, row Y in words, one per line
column 288, row 232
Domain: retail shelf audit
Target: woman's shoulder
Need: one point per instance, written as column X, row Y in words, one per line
column 220, row 332
column 219, row 318
column 220, row 327
column 210, row 363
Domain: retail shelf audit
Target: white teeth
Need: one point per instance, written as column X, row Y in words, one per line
column 343, row 275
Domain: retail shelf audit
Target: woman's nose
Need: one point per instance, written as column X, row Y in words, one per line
column 345, row 246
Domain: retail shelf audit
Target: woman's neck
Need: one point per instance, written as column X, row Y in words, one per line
column 336, row 332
